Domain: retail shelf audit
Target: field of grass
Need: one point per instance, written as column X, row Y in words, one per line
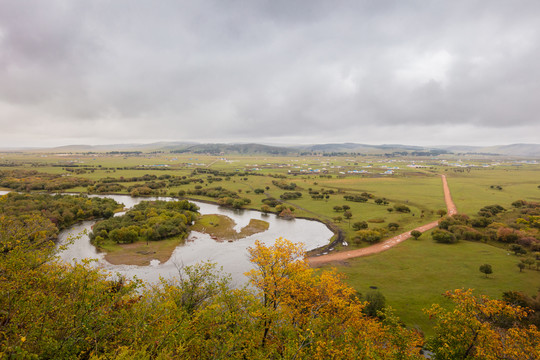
column 473, row 190
column 416, row 273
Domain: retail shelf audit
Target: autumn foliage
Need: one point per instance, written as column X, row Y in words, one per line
column 482, row 328
column 288, row 311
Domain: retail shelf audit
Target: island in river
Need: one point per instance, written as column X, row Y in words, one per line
column 152, row 230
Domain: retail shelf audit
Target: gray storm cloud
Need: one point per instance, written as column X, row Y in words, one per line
column 305, row 71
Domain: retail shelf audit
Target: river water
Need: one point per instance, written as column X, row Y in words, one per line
column 198, row 247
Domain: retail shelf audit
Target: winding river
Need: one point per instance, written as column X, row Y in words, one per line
column 198, row 247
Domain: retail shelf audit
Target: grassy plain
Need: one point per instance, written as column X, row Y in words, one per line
column 415, row 274
column 473, row 190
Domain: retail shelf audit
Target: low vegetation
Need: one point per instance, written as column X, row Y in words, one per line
column 61, row 211
column 31, row 180
column 221, row 228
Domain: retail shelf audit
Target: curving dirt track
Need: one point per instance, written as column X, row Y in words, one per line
column 387, row 244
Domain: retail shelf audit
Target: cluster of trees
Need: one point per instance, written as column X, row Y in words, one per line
column 320, row 194
column 364, row 197
column 284, row 185
column 29, row 180
column 121, row 179
column 222, row 173
column 213, row 192
column 61, row 210
column 147, row 184
column 402, row 208
column 149, row 188
column 520, row 228
column 282, row 210
column 148, row 220
column 105, row 188
column 370, row 235
column 289, row 310
column 491, row 210
column 236, row 203
column 270, row 201
column 291, row 195
column 355, row 198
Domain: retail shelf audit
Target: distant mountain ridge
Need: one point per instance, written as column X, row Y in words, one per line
column 522, row 150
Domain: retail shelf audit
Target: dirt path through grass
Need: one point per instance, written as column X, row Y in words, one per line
column 387, row 244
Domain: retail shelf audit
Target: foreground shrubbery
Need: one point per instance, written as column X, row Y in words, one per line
column 291, row 311
column 50, row 310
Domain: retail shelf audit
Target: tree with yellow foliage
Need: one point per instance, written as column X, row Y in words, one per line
column 482, row 328
column 312, row 315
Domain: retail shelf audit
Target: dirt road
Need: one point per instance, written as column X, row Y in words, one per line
column 387, row 244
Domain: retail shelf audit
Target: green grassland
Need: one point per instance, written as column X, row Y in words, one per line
column 415, row 274
column 472, row 190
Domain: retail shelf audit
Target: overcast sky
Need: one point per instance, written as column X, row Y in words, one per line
column 316, row 71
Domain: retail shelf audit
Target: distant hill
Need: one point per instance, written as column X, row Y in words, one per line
column 115, row 147
column 521, row 150
column 358, row 148
column 233, row 148
column 526, row 150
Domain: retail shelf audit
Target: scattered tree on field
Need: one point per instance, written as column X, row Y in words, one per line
column 360, row 225
column 486, row 269
column 441, row 212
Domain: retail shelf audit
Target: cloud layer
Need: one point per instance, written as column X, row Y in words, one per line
column 461, row 72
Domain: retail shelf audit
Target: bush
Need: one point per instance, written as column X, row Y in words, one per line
column 375, row 302
column 393, row 226
column 271, row 202
column 443, row 237
column 507, row 235
column 463, row 232
column 402, row 208
column 490, row 210
column 291, row 195
column 370, row 236
column 360, row 225
column 481, row 222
